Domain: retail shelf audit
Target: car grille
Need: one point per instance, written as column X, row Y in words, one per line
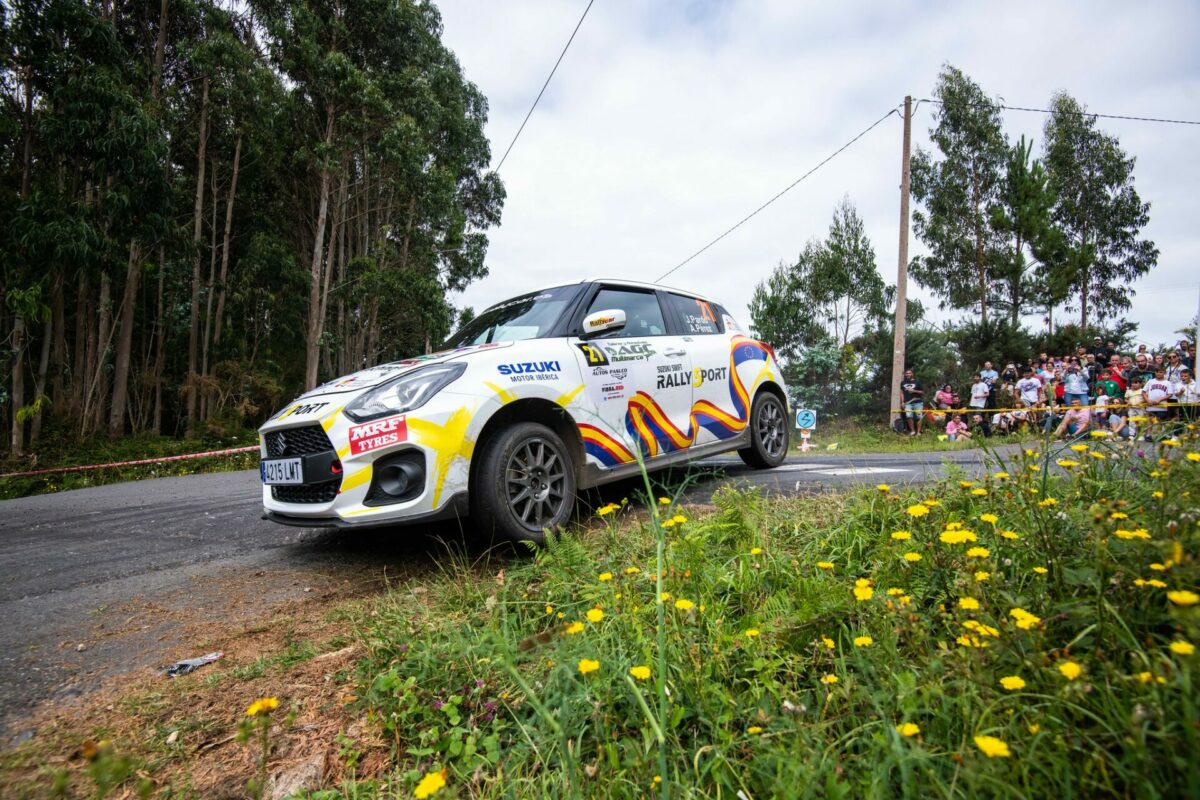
column 306, row 493
column 297, row 442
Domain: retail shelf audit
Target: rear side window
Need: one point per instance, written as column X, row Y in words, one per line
column 698, row 317
column 643, row 314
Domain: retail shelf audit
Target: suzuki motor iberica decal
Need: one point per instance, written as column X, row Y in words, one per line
column 379, row 433
column 530, row 371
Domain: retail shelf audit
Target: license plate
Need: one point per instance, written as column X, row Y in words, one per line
column 282, row 471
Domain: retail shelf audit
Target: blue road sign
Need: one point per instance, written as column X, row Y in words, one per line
column 806, row 419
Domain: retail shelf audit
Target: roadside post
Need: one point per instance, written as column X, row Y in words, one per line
column 806, row 421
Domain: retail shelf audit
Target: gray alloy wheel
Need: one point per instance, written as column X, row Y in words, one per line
column 524, row 483
column 769, row 433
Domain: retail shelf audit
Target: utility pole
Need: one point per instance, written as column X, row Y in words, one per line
column 902, row 265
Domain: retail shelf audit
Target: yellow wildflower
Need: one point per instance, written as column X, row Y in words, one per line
column 1100, row 434
column 1182, row 648
column 755, row 551
column 1183, row 598
column 1012, row 535
column 549, row 610
column 992, row 747
column 679, row 519
column 918, row 511
column 1079, row 448
column 957, row 536
column 1000, row 476
column 894, row 592
column 978, row 552
column 883, row 487
column 1040, row 570
column 605, row 576
column 632, row 570
column 594, row 615
column 430, row 784
column 829, row 680
column 264, row 705
column 1157, row 495
column 574, row 628
column 604, row 511
column 752, row 632
column 684, row 605
column 991, row 519
column 1070, row 670
column 1193, row 456
column 825, row 565
column 982, row 576
column 1118, row 515
column 825, row 640
column 863, row 641
column 1024, row 619
column 979, row 492
column 908, row 729
column 863, row 593
column 1067, row 463
column 640, row 672
column 664, row 501
column 1012, row 683
column 976, row 626
column 1033, row 727
column 1049, row 501
column 968, row 603
column 587, row 665
column 1171, row 442
column 912, row 557
column 901, row 536
column 931, row 502
column 1145, row 677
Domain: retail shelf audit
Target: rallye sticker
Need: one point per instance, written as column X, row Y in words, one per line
column 379, row 433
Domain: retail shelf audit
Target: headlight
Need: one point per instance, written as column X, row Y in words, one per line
column 404, row 393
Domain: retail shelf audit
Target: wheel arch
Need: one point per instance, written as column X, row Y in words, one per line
column 532, row 409
column 775, row 389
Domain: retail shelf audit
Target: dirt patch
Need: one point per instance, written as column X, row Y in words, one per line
column 283, row 634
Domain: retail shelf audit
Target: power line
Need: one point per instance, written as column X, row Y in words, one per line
column 791, row 186
column 1079, row 113
column 544, row 85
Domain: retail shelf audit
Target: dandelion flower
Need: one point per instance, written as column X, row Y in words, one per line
column 966, row 484
column 664, row 501
column 992, row 747
column 574, row 628
column 1145, row 677
column 751, row 632
column 918, row 511
column 632, row 570
column 1118, row 515
column 549, row 610
column 931, row 502
column 982, row 576
column 1012, row 683
column 587, row 665
column 1171, row 442
column 753, row 729
column 957, row 536
column 829, row 680
column 1040, row 570
column 912, row 557
column 978, row 552
column 1067, row 463
column 664, row 597
column 901, row 536
column 976, row 626
column 604, row 511
column 684, row 605
column 829, row 643
column 894, row 592
column 605, row 576
column 1000, row 475
column 1157, row 495
column 979, row 492
column 968, row 603
column 594, row 615
column 1070, row 670
column 430, row 784
column 1183, row 598
column 1010, row 535
column 863, row 641
column 883, row 487
column 1048, row 502
column 863, row 593
column 991, row 519
column 263, row 705
column 1079, row 448
column 679, row 519
column 640, row 672
column 825, row 565
column 908, row 729
column 1183, row 648
column 1024, row 619
column 1193, row 456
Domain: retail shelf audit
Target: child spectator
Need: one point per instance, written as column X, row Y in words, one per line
column 1158, row 391
column 914, row 402
column 1029, row 389
column 1075, row 422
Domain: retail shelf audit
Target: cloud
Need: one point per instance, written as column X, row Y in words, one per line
column 668, row 122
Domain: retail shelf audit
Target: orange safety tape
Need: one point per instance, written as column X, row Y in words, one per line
column 183, row 457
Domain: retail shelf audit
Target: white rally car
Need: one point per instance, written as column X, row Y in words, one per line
column 535, row 398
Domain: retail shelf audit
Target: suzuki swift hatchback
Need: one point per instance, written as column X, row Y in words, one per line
column 536, row 398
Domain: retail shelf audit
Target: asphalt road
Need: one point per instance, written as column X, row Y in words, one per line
column 71, row 561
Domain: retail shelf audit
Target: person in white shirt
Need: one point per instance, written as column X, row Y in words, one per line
column 1188, row 394
column 1029, row 390
column 979, row 392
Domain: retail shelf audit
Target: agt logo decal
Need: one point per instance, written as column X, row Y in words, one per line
column 380, row 433
column 531, row 371
column 700, row 375
column 630, row 351
column 302, row 410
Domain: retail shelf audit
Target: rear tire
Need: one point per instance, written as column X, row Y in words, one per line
column 769, row 433
column 524, row 484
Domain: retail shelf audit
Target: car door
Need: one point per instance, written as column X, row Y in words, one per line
column 638, row 379
column 718, row 410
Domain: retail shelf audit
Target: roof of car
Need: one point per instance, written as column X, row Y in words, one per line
column 637, row 284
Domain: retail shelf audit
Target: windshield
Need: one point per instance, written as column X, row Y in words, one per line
column 530, row 316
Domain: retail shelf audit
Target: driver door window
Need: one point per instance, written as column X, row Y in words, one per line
column 643, row 314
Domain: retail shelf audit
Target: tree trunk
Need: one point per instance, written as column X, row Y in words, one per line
column 225, row 241
column 315, row 270
column 206, row 393
column 197, row 223
column 158, row 344
column 160, row 49
column 39, row 384
column 80, row 361
column 17, row 440
column 120, row 394
column 58, row 352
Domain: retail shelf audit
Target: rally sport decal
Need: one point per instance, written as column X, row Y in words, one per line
column 649, row 426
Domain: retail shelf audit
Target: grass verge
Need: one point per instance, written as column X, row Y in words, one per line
column 857, row 435
column 1028, row 634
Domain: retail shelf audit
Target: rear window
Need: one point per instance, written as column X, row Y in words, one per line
column 699, row 317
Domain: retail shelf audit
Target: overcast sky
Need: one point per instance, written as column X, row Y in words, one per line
column 670, row 121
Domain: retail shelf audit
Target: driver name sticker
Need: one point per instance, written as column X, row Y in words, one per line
column 379, row 433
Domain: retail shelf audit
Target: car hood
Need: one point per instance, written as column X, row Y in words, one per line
column 344, row 389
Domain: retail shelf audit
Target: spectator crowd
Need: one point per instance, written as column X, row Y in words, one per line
column 1096, row 388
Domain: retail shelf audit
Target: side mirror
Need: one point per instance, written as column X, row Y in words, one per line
column 607, row 321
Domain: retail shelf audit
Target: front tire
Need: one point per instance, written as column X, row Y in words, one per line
column 768, row 433
column 524, row 484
